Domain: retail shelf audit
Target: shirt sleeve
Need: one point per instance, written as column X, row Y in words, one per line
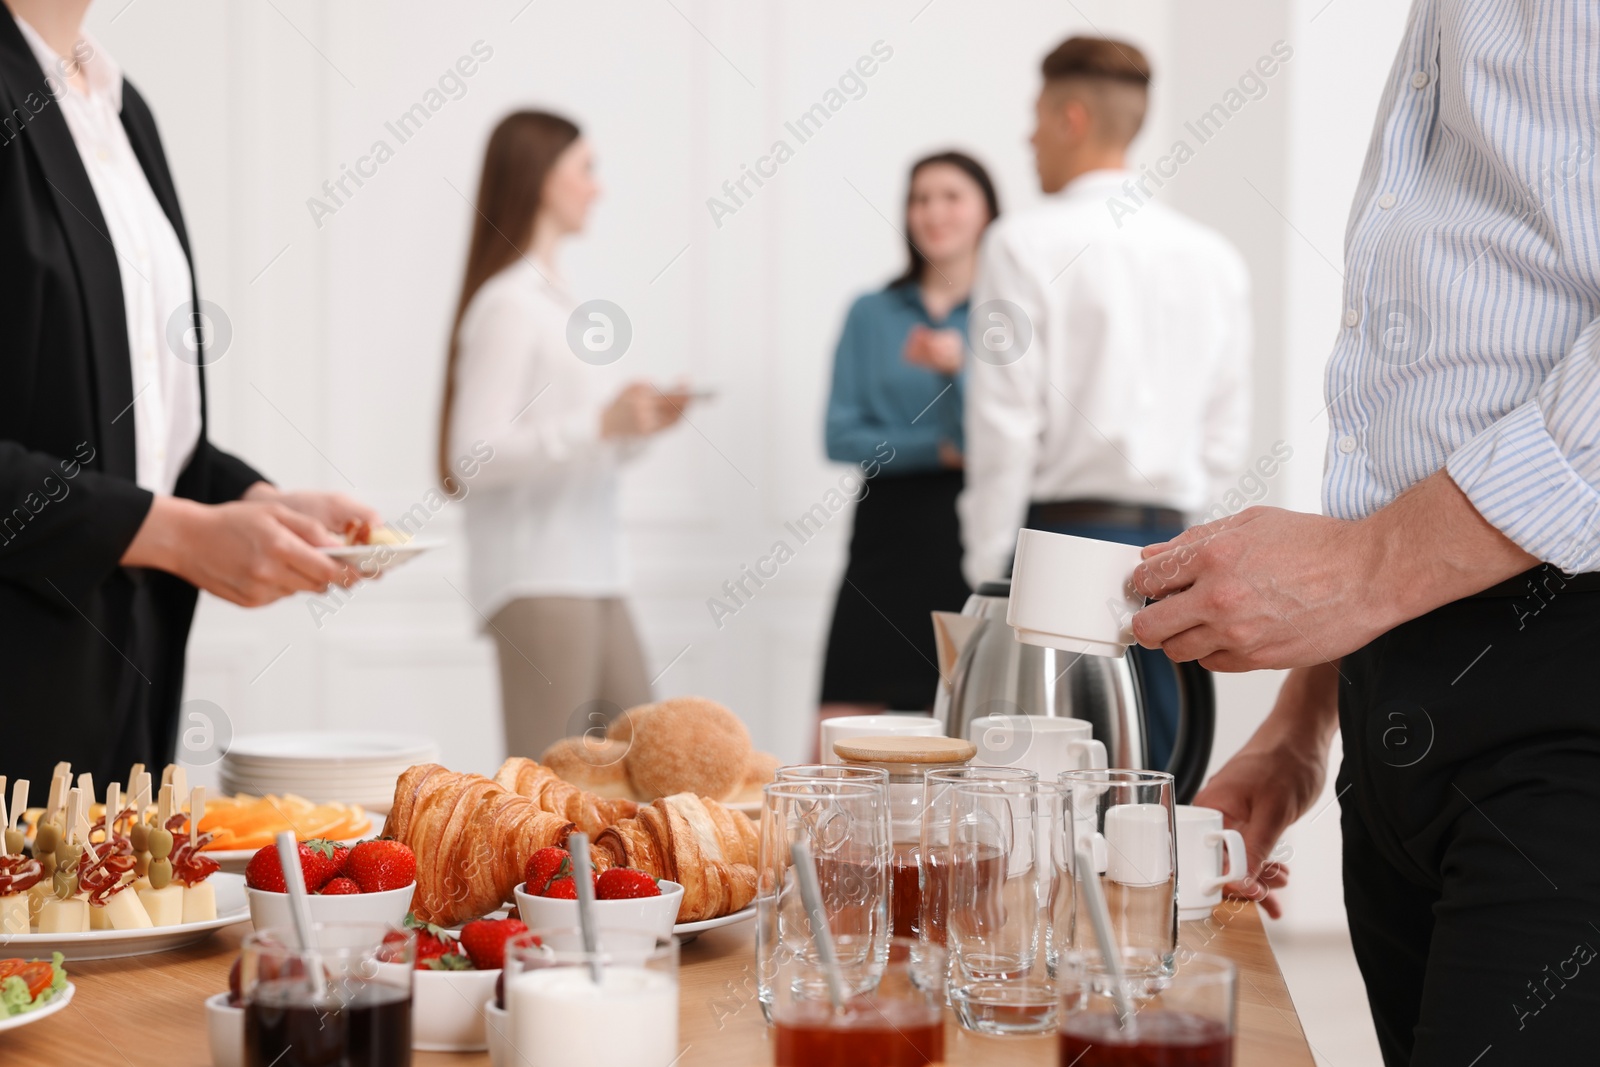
column 1004, row 414
column 1534, row 474
column 501, row 368
column 854, row 429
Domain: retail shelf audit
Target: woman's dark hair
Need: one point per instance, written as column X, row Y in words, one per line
column 968, row 166
column 521, row 151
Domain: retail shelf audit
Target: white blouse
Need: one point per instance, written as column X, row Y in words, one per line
column 155, row 272
column 542, row 513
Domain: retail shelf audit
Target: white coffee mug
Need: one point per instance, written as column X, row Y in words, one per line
column 1209, row 857
column 845, row 726
column 1138, row 844
column 1036, row 743
column 1073, row 593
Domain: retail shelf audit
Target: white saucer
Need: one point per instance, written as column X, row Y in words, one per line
column 372, row 560
column 11, row 1022
column 689, row 931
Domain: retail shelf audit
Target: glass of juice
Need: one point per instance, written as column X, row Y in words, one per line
column 343, row 1002
column 1186, row 1020
column 616, row 1006
column 899, row 1022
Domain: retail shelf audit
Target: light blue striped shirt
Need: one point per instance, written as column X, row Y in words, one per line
column 1470, row 336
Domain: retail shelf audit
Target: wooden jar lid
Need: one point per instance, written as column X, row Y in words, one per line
column 905, row 749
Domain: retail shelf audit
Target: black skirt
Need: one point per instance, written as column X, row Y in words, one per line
column 905, row 562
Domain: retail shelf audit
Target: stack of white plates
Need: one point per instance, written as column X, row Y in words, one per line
column 347, row 767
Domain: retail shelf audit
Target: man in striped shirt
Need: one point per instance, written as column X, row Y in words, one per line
column 1445, row 615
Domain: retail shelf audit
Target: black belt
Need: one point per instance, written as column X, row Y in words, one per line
column 1545, row 579
column 1103, row 513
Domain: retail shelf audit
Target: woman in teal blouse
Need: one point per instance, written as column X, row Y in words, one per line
column 897, row 393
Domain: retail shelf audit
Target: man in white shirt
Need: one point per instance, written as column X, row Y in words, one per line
column 1108, row 395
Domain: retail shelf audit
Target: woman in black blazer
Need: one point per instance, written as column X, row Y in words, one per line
column 98, row 575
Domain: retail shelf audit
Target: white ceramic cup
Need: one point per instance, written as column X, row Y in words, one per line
column 842, row 727
column 1138, row 844
column 1209, row 857
column 1073, row 593
column 1036, row 743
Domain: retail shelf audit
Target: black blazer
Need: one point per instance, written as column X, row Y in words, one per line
column 91, row 652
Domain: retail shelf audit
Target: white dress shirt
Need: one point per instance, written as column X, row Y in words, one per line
column 1135, row 386
column 155, row 273
column 1470, row 332
column 542, row 516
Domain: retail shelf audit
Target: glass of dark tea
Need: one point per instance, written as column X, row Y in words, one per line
column 1186, row 1020
column 897, row 1022
column 343, row 1001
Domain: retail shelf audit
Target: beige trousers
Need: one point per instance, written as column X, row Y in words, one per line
column 567, row 664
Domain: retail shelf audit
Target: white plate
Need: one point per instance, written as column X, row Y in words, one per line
column 372, row 560
column 319, row 746
column 115, row 944
column 11, row 1022
column 686, row 931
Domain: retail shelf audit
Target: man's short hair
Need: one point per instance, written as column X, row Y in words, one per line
column 1115, row 76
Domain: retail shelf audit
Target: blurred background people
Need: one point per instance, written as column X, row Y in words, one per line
column 556, row 420
column 897, row 392
column 1109, row 394
column 115, row 507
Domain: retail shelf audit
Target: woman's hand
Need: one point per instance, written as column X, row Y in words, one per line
column 640, row 410
column 335, row 511
column 935, row 350
column 250, row 552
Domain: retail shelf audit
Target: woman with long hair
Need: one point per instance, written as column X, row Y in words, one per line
column 895, row 406
column 534, row 400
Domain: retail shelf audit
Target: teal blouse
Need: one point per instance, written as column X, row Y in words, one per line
column 877, row 396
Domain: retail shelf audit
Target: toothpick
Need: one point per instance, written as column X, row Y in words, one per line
column 164, row 805
column 132, row 790
column 19, row 801
column 70, row 828
column 180, row 784
column 166, row 773
column 86, row 784
column 113, row 806
column 197, row 811
column 58, row 794
column 142, row 799
column 5, row 818
column 62, row 768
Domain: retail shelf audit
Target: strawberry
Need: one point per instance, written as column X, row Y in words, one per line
column 544, row 866
column 485, row 941
column 317, row 865
column 381, row 865
column 561, row 889
column 340, row 886
column 432, row 944
column 625, row 883
column 264, row 872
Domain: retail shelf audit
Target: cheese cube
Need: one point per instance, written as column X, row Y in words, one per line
column 124, row 911
column 163, row 907
column 59, row 916
column 199, row 903
column 14, row 917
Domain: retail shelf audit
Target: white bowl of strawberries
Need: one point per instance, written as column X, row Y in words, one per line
column 625, row 899
column 371, row 881
column 455, row 982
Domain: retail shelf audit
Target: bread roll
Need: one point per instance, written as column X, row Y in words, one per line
column 687, row 745
column 597, row 765
column 760, row 768
column 621, row 728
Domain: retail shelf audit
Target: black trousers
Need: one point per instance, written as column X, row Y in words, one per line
column 1470, row 796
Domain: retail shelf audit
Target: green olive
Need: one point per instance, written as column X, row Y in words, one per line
column 14, row 842
column 160, row 843
column 141, row 864
column 48, row 837
column 139, row 836
column 160, row 873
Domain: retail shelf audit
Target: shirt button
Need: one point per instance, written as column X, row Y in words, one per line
column 1386, row 201
column 1419, row 80
column 1347, row 445
column 1351, row 317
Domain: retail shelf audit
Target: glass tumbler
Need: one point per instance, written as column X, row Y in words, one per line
column 1186, row 1020
column 1122, row 820
column 1000, row 878
column 846, row 826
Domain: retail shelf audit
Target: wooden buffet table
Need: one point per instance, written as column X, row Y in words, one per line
column 149, row 1010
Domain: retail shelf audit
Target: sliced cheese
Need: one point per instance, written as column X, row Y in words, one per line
column 164, row 907
column 14, row 914
column 59, row 916
column 199, row 903
column 125, row 911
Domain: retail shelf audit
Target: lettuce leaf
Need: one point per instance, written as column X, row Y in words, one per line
column 14, row 999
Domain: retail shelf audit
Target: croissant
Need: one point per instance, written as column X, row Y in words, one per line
column 549, row 792
column 472, row 839
column 694, row 841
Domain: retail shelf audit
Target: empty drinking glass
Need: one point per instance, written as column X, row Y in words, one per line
column 846, row 826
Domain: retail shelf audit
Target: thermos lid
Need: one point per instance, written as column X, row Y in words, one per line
column 905, row 749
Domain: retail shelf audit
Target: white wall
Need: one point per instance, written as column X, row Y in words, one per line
column 333, row 374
